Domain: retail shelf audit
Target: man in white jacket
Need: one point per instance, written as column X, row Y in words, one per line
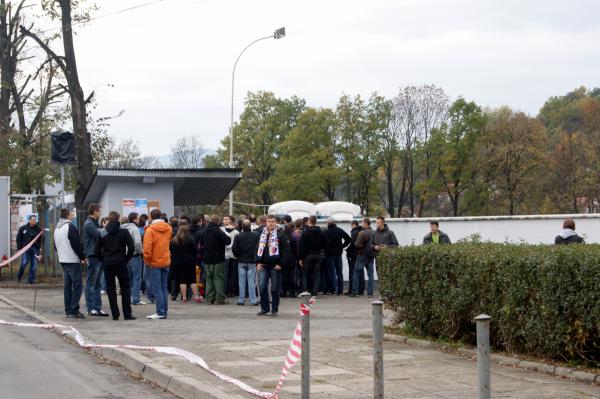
column 71, row 257
column 136, row 263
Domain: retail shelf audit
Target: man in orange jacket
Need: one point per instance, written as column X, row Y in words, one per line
column 157, row 256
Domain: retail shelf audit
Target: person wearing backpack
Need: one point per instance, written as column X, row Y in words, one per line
column 365, row 259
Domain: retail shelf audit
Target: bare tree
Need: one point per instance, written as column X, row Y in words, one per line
column 433, row 111
column 188, row 153
column 405, row 125
column 62, row 9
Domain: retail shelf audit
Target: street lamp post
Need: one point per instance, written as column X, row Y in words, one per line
column 278, row 34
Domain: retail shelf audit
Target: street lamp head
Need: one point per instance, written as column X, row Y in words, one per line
column 279, row 33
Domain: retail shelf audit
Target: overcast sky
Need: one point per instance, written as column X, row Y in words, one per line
column 170, row 63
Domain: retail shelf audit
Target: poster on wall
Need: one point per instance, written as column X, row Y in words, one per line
column 138, row 206
column 153, row 205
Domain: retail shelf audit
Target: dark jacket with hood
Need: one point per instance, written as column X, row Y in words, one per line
column 115, row 247
column 351, row 251
column 337, row 240
column 444, row 239
column 213, row 242
column 568, row 236
column 245, row 246
column 312, row 242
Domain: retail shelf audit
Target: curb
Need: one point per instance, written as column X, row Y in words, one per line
column 137, row 363
column 503, row 360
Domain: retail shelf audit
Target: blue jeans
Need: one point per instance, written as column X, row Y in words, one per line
column 149, row 292
column 158, row 280
column 93, row 299
column 135, row 278
column 29, row 257
column 73, row 286
column 267, row 273
column 334, row 273
column 363, row 262
column 246, row 278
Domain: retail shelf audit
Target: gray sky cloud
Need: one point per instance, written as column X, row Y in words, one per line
column 171, row 62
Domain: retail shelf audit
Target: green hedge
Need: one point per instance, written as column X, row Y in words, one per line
column 543, row 300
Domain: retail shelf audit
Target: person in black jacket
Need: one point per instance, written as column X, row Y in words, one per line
column 27, row 233
column 183, row 262
column 568, row 235
column 213, row 242
column 288, row 286
column 351, row 255
column 273, row 250
column 312, row 242
column 115, row 250
column 337, row 240
column 244, row 248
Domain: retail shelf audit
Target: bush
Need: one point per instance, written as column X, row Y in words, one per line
column 543, row 300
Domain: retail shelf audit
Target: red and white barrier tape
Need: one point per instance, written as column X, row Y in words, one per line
column 20, row 252
column 189, row 356
column 295, row 350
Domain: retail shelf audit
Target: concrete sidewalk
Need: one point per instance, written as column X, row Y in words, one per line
column 232, row 340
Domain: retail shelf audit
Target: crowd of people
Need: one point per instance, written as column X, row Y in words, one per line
column 208, row 259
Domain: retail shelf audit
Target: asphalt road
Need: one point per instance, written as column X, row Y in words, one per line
column 40, row 364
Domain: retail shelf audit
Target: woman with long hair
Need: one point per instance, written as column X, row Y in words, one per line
column 183, row 262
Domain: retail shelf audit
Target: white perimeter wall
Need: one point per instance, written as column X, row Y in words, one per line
column 530, row 229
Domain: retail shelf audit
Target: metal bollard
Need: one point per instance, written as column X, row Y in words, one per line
column 305, row 321
column 377, row 307
column 483, row 355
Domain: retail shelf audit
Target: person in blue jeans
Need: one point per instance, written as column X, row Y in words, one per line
column 244, row 248
column 337, row 240
column 157, row 255
column 365, row 259
column 91, row 239
column 135, row 265
column 71, row 257
column 28, row 233
column 273, row 250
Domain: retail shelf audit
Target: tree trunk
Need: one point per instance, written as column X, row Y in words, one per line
column 84, row 171
column 402, row 192
column 6, row 81
column 389, row 171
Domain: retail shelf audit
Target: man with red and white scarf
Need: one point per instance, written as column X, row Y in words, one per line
column 273, row 250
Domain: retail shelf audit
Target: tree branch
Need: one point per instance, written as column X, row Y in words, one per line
column 46, row 48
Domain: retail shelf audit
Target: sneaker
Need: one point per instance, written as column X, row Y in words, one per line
column 225, row 302
column 274, row 314
column 198, row 300
column 241, row 304
column 262, row 313
column 103, row 292
column 130, row 318
column 156, row 317
column 139, row 303
column 76, row 316
column 102, row 313
column 254, row 304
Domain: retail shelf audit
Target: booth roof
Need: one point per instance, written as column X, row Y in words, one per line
column 191, row 186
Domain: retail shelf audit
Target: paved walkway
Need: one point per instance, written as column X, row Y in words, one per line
column 233, row 340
